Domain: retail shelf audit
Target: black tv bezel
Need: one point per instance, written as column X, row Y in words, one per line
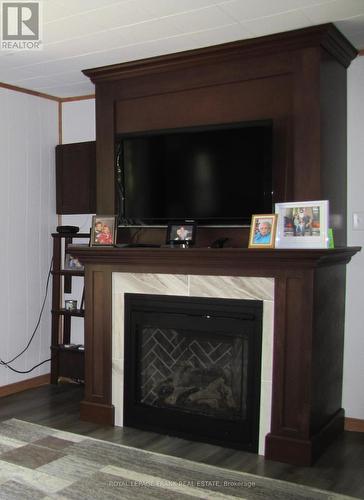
column 211, row 221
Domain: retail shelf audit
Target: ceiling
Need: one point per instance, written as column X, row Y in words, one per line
column 81, row 34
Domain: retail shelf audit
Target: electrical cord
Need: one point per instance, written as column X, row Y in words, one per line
column 7, row 363
column 25, row 371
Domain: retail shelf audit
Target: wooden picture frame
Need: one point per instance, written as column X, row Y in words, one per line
column 103, row 230
column 303, row 224
column 263, row 231
column 181, row 233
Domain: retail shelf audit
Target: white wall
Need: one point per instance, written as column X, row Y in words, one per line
column 78, row 125
column 353, row 395
column 78, row 121
column 28, row 135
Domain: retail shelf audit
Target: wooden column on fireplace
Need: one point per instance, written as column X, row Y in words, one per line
column 308, row 332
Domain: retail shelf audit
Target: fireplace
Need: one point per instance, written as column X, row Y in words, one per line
column 204, row 287
column 300, row 403
column 192, row 367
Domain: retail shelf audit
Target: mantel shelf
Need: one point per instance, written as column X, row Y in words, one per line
column 231, row 261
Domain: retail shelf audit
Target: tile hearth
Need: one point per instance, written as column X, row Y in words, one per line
column 194, row 286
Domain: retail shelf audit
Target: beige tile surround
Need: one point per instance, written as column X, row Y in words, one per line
column 194, row 286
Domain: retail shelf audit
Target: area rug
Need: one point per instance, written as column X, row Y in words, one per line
column 38, row 462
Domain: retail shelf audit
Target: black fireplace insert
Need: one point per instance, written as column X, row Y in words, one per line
column 192, row 367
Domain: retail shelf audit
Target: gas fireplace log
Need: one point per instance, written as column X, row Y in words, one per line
column 214, row 395
column 177, row 393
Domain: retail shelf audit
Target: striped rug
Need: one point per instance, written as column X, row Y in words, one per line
column 38, row 462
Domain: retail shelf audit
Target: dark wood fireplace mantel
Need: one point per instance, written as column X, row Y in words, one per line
column 309, row 306
column 230, row 261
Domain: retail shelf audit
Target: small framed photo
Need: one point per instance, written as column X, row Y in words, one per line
column 263, row 231
column 70, row 305
column 303, row 224
column 103, row 230
column 71, row 263
column 181, row 233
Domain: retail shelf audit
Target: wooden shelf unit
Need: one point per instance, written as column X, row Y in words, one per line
column 66, row 361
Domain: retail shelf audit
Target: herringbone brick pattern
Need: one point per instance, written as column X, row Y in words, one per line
column 171, row 356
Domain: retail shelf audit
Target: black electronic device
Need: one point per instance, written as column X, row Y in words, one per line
column 67, row 229
column 219, row 243
column 215, row 175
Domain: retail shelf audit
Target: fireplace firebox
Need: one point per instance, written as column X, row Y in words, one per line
column 192, row 367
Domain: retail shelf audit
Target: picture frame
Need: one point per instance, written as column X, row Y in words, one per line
column 70, row 305
column 103, row 230
column 181, row 233
column 71, row 263
column 303, row 224
column 263, row 231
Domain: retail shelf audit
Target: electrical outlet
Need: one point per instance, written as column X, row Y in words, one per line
column 358, row 221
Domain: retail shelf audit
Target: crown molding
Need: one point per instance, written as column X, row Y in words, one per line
column 43, row 95
column 326, row 36
column 34, row 93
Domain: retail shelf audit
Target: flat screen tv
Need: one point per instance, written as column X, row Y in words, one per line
column 216, row 175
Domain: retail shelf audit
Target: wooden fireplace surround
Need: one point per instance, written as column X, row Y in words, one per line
column 309, row 307
column 297, row 80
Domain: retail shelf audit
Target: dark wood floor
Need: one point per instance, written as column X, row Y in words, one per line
column 340, row 469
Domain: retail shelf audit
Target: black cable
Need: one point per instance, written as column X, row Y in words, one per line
column 120, row 185
column 135, row 234
column 30, row 369
column 7, row 363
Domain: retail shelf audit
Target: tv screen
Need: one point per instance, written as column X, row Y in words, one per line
column 212, row 175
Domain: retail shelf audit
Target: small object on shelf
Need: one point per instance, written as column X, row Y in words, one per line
column 331, row 238
column 70, row 305
column 303, row 224
column 263, row 231
column 181, row 233
column 73, row 346
column 67, row 229
column 103, row 231
column 219, row 243
column 71, row 263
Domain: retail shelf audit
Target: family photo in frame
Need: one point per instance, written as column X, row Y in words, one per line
column 263, row 231
column 303, row 224
column 103, row 230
